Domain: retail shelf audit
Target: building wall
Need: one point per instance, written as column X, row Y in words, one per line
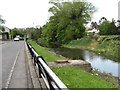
column 5, row 34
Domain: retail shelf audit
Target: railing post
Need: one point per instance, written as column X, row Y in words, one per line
column 39, row 68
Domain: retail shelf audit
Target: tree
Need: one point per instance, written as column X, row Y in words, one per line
column 36, row 33
column 3, row 29
column 67, row 21
column 1, row 20
column 112, row 29
column 108, row 28
column 102, row 20
column 14, row 32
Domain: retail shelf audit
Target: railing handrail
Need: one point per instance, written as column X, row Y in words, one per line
column 49, row 77
column 53, row 76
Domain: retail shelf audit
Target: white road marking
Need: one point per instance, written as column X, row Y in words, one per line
column 11, row 72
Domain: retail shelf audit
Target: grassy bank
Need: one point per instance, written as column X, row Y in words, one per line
column 49, row 57
column 73, row 77
column 104, row 45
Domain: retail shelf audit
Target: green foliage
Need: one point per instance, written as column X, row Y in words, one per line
column 108, row 28
column 74, row 77
column 16, row 31
column 104, row 27
column 36, row 33
column 13, row 33
column 49, row 57
column 49, row 35
column 1, row 20
column 70, row 53
column 67, row 22
column 111, row 45
column 105, row 45
column 83, row 41
column 2, row 28
column 42, row 42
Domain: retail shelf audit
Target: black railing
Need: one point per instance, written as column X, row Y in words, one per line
column 51, row 80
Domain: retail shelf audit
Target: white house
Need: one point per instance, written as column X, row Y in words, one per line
column 94, row 31
column 4, row 35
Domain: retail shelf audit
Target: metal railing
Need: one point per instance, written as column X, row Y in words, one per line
column 51, row 80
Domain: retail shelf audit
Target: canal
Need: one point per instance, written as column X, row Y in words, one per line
column 98, row 62
column 101, row 63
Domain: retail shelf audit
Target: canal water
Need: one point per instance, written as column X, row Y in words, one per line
column 97, row 61
column 101, row 63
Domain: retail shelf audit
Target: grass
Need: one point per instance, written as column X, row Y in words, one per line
column 49, row 57
column 82, row 42
column 70, row 53
column 74, row 77
column 105, row 45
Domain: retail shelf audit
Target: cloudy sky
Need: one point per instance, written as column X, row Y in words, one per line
column 29, row 13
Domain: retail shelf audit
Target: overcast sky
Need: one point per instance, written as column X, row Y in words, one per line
column 28, row 13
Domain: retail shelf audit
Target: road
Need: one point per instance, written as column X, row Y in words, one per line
column 14, row 67
column 0, row 65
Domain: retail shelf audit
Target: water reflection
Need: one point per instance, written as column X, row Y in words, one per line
column 101, row 63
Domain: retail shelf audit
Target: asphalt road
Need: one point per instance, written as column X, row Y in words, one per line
column 14, row 73
column 0, row 66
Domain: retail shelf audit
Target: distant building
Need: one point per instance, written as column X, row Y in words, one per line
column 4, row 33
column 118, row 23
column 93, row 30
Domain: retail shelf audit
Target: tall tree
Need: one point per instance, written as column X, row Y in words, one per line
column 102, row 20
column 36, row 33
column 1, row 20
column 67, row 20
column 108, row 28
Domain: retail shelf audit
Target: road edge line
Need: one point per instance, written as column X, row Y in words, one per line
column 11, row 72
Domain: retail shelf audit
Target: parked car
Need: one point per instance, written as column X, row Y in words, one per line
column 16, row 39
column 21, row 38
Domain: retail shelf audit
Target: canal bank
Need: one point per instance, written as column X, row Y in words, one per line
column 72, row 76
column 107, row 45
column 102, row 53
column 99, row 62
column 101, row 66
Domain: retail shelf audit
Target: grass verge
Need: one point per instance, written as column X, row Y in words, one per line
column 49, row 57
column 74, row 77
column 105, row 45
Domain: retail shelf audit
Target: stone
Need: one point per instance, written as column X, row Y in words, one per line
column 80, row 63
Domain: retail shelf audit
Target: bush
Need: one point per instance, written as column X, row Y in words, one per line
column 42, row 42
column 108, row 28
column 54, row 45
column 83, row 41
